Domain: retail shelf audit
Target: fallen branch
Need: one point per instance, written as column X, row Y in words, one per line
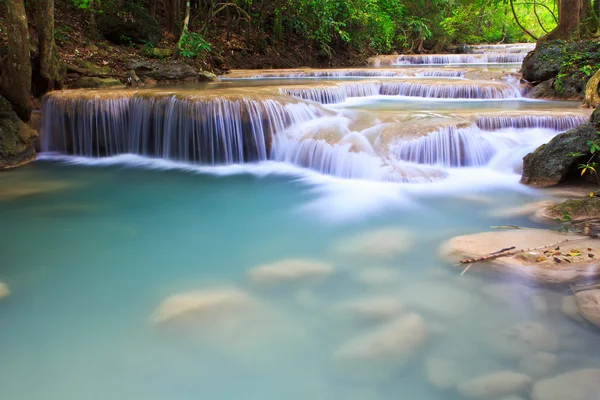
column 508, row 252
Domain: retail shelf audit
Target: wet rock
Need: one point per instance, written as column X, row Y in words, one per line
column 163, row 72
column 291, row 270
column 88, row 68
column 523, row 339
column 544, row 90
column 463, row 49
column 547, row 272
column 544, row 63
column 550, row 164
column 372, row 308
column 380, row 244
column 539, row 365
column 577, row 385
column 497, row 384
column 92, row 82
column 377, row 276
column 588, row 302
column 133, row 79
column 395, row 342
column 570, row 309
column 4, row 291
column 205, row 76
column 133, row 24
column 203, row 305
column 442, row 373
column 17, row 139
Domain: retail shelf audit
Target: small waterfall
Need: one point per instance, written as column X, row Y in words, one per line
column 327, row 74
column 559, row 123
column 446, row 59
column 454, row 91
column 191, row 129
column 440, row 74
column 323, row 95
column 448, row 146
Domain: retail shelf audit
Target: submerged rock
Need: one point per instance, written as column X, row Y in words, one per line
column 291, row 270
column 583, row 384
column 17, row 139
column 550, row 163
column 378, row 276
column 443, row 374
column 394, row 342
column 523, row 339
column 380, row 244
column 497, row 384
column 588, row 302
column 570, row 308
column 372, row 308
column 4, row 291
column 532, row 266
column 538, row 365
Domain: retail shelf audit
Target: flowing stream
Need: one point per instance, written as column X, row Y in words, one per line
column 266, row 237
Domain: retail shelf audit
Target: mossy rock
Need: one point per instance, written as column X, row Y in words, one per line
column 156, row 52
column 17, row 139
column 91, row 69
column 586, row 207
column 92, row 82
column 205, row 76
column 550, row 163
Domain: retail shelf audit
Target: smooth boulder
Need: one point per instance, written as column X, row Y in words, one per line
column 550, row 164
column 17, row 139
column 583, row 384
column 588, row 302
column 92, row 82
column 164, row 71
column 496, row 384
column 291, row 270
column 372, row 308
column 395, row 342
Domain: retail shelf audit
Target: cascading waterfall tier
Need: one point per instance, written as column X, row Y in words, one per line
column 344, row 73
column 427, row 89
column 448, row 59
column 559, row 123
column 449, row 146
column 190, row 128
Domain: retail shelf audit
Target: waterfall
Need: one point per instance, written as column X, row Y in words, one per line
column 448, row 146
column 459, row 90
column 462, row 90
column 436, row 73
column 327, row 74
column 446, row 59
column 559, row 123
column 193, row 129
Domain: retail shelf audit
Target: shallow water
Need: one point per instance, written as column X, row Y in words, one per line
column 102, row 255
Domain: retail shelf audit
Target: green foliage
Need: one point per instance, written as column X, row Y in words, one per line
column 192, row 45
column 61, row 34
column 565, row 221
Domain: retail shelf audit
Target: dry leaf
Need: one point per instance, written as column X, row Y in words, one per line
column 541, row 259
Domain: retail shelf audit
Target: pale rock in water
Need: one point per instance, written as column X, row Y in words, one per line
column 538, row 365
column 442, row 373
column 394, row 342
column 583, row 384
column 378, row 276
column 588, row 302
column 381, row 244
column 570, row 308
column 291, row 270
column 372, row 308
column 439, row 299
column 4, row 291
column 497, row 384
column 522, row 339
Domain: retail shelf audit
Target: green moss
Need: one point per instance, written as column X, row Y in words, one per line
column 587, row 207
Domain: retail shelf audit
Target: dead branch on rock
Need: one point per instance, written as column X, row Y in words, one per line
column 511, row 252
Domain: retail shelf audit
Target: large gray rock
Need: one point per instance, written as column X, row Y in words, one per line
column 583, row 384
column 163, row 71
column 550, row 164
column 17, row 139
column 133, row 24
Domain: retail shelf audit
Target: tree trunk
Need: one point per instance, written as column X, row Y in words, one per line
column 15, row 73
column 589, row 20
column 50, row 65
column 597, row 8
column 569, row 19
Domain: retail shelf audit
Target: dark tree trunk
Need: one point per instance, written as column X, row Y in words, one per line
column 50, row 65
column 15, row 71
column 569, row 21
